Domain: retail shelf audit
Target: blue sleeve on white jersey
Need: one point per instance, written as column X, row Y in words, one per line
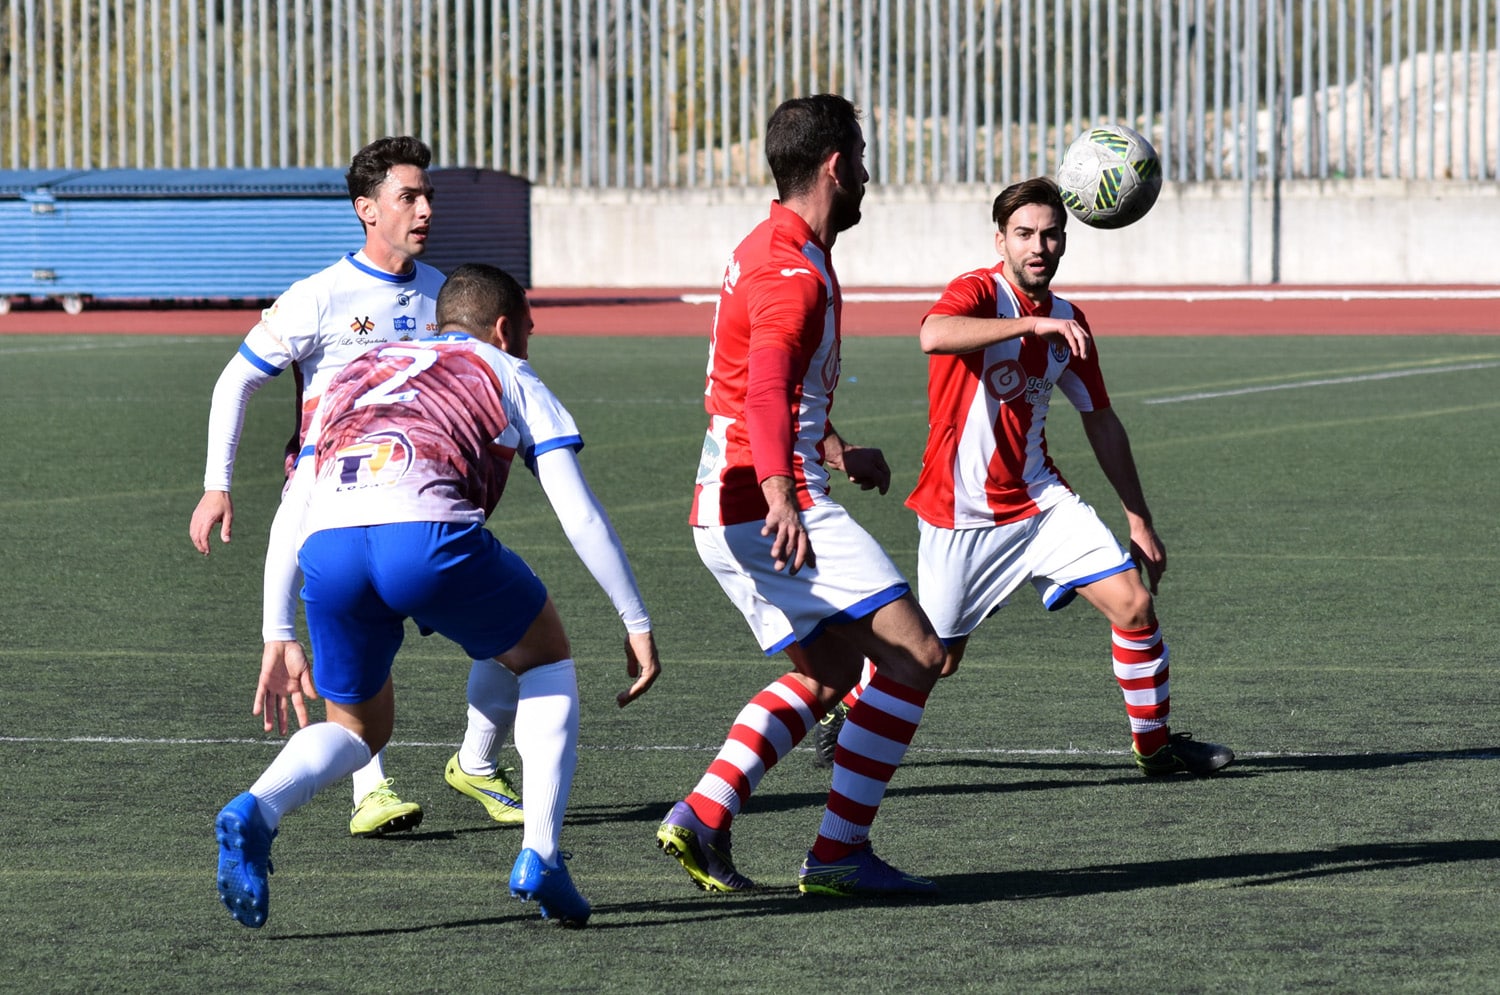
column 265, row 366
column 573, row 442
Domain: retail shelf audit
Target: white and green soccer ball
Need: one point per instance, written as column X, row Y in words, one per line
column 1109, row 176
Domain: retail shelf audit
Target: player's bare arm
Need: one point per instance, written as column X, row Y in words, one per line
column 790, row 548
column 285, row 679
column 641, row 663
column 1111, row 447
column 865, row 466
column 950, row 334
column 214, row 507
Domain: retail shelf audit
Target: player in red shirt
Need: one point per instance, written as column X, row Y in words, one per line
column 993, row 510
column 810, row 582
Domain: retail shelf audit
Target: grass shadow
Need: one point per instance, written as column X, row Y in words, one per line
column 1245, row 869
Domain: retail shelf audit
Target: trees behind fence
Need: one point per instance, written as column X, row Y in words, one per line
column 675, row 93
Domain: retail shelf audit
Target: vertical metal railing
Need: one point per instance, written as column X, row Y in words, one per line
column 675, row 93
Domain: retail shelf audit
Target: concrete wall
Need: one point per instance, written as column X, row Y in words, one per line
column 1332, row 232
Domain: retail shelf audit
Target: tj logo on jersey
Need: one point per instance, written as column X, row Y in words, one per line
column 362, row 326
column 377, row 460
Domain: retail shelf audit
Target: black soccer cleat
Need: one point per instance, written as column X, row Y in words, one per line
column 826, row 736
column 1186, row 755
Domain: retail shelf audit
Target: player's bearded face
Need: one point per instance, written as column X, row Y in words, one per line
column 1032, row 246
column 852, row 176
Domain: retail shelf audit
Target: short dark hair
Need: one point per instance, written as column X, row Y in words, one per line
column 475, row 296
column 1037, row 190
column 801, row 135
column 368, row 168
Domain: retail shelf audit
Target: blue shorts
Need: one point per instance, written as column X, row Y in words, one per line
column 361, row 584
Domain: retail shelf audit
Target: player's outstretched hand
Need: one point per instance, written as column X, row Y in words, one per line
column 213, row 507
column 641, row 663
column 285, row 678
column 1069, row 333
column 866, row 468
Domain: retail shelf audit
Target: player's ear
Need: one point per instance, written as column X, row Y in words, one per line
column 832, row 165
column 365, row 210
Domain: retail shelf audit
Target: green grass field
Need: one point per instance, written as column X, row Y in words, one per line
column 1329, row 605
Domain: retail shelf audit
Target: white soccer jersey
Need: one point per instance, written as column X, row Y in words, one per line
column 426, row 432
column 986, row 460
column 319, row 324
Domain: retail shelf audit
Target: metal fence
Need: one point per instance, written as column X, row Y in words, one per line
column 675, row 93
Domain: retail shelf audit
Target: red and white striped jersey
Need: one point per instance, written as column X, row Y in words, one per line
column 426, row 431
column 986, row 460
column 779, row 292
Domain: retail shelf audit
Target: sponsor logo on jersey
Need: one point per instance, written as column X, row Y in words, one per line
column 403, row 298
column 376, row 460
column 731, row 275
column 1005, row 380
column 794, row 272
column 405, row 323
column 362, row 326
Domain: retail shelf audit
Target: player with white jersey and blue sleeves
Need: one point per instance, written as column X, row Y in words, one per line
column 382, row 293
column 415, row 442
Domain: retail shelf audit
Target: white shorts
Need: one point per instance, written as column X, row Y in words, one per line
column 966, row 575
column 853, row 576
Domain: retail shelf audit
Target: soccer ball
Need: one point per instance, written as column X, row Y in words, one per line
column 1109, row 177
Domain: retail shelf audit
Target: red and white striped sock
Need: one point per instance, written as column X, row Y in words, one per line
column 766, row 729
column 1141, row 669
column 871, row 746
column 865, row 673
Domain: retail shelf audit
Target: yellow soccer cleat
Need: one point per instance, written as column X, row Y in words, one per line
column 493, row 791
column 381, row 812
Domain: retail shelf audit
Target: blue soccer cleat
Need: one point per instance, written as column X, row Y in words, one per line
column 551, row 888
column 244, row 860
column 859, row 875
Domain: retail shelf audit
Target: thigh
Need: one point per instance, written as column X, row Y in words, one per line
column 1072, row 549
column 458, row 580
column 966, row 575
column 354, row 633
column 853, row 577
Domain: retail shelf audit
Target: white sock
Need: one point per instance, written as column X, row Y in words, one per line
column 547, row 739
column 315, row 757
column 369, row 777
column 493, row 691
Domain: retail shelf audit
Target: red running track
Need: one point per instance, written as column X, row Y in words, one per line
column 1279, row 310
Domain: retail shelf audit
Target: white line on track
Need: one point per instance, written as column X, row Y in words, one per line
column 1297, row 385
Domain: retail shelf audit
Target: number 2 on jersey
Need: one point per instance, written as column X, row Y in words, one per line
column 389, row 391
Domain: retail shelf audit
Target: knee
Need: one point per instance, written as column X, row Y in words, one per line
column 1138, row 611
column 928, row 661
column 951, row 661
